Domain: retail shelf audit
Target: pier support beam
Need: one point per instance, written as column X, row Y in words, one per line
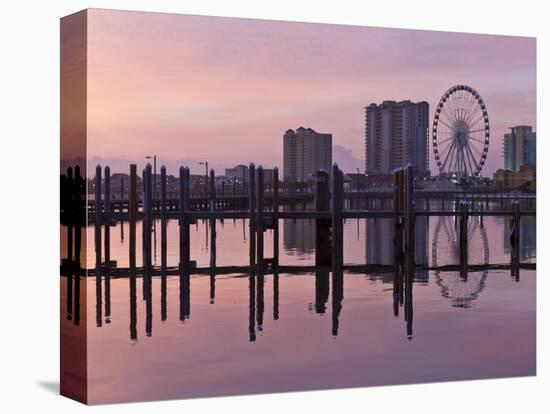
column 163, row 243
column 323, row 254
column 337, row 222
column 463, row 208
column 107, row 243
column 275, row 216
column 184, row 192
column 132, row 212
column 252, row 214
column 515, row 240
column 260, row 225
column 98, row 205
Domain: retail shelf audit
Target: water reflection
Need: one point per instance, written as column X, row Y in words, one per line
column 527, row 239
column 461, row 287
column 299, row 236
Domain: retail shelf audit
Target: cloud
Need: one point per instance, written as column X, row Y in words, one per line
column 346, row 160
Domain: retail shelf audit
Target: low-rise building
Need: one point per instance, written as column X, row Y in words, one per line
column 524, row 179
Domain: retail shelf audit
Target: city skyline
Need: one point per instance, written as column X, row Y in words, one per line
column 186, row 93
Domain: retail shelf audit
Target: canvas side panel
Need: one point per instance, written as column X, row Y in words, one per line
column 73, row 54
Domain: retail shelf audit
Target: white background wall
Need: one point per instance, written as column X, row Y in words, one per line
column 29, row 142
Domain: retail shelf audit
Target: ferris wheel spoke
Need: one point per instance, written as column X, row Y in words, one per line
column 444, row 147
column 457, row 159
column 468, row 161
column 477, row 130
column 479, row 118
column 471, row 154
column 454, row 107
column 445, row 140
column 450, row 150
column 471, row 160
column 465, row 160
column 472, row 108
column 459, row 104
column 471, row 114
column 465, row 106
column 477, row 150
column 449, row 114
column 476, row 140
column 446, row 124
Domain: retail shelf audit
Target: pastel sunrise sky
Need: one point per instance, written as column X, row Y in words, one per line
column 191, row 88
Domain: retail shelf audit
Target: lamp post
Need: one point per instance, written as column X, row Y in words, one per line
column 205, row 163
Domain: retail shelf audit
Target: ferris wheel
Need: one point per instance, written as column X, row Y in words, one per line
column 460, row 132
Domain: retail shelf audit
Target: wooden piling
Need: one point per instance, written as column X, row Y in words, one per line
column 275, row 201
column 163, row 242
column 147, row 222
column 212, row 205
column 409, row 215
column 143, row 230
column 98, row 208
column 121, row 209
column 69, row 210
column 337, row 208
column 132, row 213
column 464, row 236
column 184, row 221
column 260, row 225
column 323, row 255
column 79, row 191
column 252, row 213
column 515, row 239
column 107, row 241
column 397, row 206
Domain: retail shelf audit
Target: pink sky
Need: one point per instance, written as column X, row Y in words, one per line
column 191, row 88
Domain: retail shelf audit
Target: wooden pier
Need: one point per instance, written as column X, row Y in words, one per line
column 263, row 213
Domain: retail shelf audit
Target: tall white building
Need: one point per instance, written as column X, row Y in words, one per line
column 396, row 133
column 305, row 151
column 519, row 147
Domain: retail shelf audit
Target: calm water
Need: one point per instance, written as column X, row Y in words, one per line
column 296, row 332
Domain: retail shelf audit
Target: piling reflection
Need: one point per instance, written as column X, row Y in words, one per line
column 252, row 305
column 322, row 289
column 73, row 219
column 337, row 297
